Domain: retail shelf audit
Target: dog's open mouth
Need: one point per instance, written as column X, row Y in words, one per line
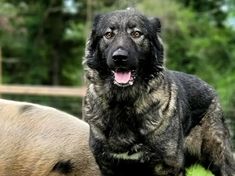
column 123, row 78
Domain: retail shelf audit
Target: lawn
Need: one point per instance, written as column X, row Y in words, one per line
column 197, row 170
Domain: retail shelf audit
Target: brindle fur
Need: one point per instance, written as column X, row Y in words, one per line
column 165, row 121
column 41, row 141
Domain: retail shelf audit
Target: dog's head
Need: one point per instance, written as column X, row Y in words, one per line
column 124, row 47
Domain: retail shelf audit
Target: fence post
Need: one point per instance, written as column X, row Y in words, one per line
column 0, row 65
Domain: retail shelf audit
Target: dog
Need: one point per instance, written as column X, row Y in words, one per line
column 37, row 140
column 146, row 120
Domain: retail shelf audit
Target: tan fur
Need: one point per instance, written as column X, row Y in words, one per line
column 34, row 138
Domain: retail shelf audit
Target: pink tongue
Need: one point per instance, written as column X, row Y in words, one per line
column 122, row 77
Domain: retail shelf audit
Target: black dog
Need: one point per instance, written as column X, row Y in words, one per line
column 146, row 120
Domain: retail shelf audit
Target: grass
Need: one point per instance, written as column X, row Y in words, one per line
column 197, row 170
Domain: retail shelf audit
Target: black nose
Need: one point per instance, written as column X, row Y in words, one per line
column 120, row 55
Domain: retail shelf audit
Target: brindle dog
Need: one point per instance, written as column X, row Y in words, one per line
column 146, row 120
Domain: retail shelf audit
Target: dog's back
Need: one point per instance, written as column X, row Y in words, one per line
column 37, row 141
column 140, row 112
column 196, row 93
column 203, row 123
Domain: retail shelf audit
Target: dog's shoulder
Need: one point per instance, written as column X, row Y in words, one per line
column 198, row 92
column 190, row 82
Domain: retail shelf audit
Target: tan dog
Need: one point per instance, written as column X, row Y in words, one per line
column 42, row 141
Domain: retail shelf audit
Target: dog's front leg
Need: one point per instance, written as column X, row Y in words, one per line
column 171, row 167
column 103, row 160
column 168, row 148
column 99, row 149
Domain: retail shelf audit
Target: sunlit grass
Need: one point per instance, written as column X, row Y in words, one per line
column 197, row 170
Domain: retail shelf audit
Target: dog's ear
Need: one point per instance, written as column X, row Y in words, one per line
column 91, row 52
column 156, row 43
column 93, row 38
column 96, row 20
column 156, row 24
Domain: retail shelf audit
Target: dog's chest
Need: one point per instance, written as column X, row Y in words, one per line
column 123, row 128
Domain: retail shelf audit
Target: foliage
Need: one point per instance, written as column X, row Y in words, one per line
column 209, row 9
column 34, row 36
column 195, row 45
column 43, row 42
column 197, row 170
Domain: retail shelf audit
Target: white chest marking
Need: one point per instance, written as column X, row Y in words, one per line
column 126, row 156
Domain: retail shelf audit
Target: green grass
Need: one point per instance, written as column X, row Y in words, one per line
column 197, row 170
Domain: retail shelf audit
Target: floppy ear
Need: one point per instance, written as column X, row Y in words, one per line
column 92, row 44
column 93, row 38
column 157, row 45
column 156, row 24
column 93, row 55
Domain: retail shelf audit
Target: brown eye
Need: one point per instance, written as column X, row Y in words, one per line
column 109, row 35
column 136, row 34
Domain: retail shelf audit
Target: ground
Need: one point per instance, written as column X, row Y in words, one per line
column 197, row 170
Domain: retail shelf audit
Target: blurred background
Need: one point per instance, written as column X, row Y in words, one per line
column 42, row 44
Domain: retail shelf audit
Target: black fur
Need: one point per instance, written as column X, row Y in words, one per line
column 160, row 123
column 63, row 167
column 98, row 52
column 25, row 108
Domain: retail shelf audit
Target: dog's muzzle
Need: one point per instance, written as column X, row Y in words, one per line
column 120, row 56
column 123, row 77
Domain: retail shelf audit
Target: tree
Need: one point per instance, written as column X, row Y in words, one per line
column 38, row 40
column 195, row 45
column 51, row 42
column 212, row 9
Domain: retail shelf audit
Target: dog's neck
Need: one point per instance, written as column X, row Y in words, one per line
column 107, row 89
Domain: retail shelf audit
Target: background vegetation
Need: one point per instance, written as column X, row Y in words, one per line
column 43, row 42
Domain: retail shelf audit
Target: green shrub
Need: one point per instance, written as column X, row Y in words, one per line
column 197, row 170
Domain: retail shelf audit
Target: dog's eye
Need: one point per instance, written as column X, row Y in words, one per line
column 109, row 35
column 136, row 34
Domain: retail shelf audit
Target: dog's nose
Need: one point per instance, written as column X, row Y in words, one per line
column 120, row 55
